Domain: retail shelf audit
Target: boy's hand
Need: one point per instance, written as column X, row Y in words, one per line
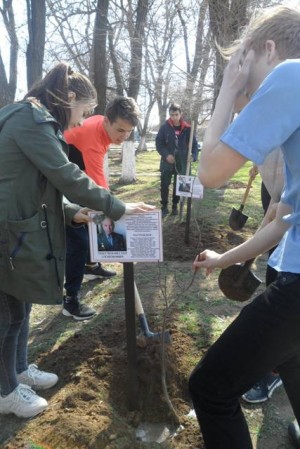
column 253, row 172
column 236, row 73
column 170, row 159
column 135, row 208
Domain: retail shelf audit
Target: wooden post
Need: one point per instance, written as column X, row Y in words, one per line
column 188, row 221
column 189, row 201
column 132, row 382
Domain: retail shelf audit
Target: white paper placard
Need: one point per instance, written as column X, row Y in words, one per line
column 134, row 238
column 189, row 186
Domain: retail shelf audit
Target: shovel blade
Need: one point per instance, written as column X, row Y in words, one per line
column 237, row 219
column 238, row 283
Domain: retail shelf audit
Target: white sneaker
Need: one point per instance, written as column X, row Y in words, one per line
column 23, row 402
column 40, row 380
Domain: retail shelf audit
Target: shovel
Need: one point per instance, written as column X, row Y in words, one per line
column 154, row 336
column 237, row 219
column 237, row 282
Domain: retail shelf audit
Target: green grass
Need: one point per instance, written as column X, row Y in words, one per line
column 214, row 208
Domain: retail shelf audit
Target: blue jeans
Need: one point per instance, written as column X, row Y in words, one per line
column 14, row 328
column 77, row 240
column 265, row 335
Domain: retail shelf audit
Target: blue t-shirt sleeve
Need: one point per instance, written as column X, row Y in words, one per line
column 271, row 117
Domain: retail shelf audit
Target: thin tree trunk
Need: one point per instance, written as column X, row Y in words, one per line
column 36, row 20
column 8, row 84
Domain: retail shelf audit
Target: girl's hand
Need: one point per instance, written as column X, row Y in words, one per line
column 135, row 208
column 82, row 215
column 207, row 259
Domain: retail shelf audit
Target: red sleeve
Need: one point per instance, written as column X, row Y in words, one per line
column 75, row 136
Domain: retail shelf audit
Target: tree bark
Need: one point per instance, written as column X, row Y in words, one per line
column 226, row 18
column 36, row 21
column 99, row 54
column 128, row 163
column 135, row 71
column 8, row 84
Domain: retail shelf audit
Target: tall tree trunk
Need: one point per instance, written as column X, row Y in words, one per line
column 99, row 53
column 135, row 71
column 8, row 84
column 135, row 74
column 36, row 21
column 226, row 18
column 128, row 163
column 200, row 53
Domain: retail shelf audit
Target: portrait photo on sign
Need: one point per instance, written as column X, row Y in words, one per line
column 108, row 239
column 136, row 237
column 189, row 186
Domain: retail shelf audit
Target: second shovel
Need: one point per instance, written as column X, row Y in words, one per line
column 238, row 282
column 237, row 219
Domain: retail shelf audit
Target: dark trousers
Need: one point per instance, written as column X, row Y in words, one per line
column 77, row 240
column 266, row 334
column 168, row 171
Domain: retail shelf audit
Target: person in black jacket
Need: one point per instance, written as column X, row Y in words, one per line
column 172, row 143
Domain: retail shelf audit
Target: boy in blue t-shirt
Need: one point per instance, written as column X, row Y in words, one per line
column 266, row 334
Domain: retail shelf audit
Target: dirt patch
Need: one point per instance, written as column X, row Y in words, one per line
column 88, row 407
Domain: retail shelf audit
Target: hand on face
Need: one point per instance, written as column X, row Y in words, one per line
column 237, row 73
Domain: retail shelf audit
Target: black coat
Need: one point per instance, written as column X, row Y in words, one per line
column 168, row 143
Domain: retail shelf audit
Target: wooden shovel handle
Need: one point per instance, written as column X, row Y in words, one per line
column 247, row 190
column 137, row 301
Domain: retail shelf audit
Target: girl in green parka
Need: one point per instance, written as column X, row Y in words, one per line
column 35, row 174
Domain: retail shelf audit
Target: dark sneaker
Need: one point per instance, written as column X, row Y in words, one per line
column 92, row 272
column 175, row 210
column 263, row 390
column 73, row 307
column 164, row 212
column 294, row 434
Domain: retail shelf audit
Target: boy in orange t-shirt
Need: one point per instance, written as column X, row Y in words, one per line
column 88, row 145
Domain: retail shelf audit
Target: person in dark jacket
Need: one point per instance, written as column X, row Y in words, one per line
column 172, row 142
column 35, row 175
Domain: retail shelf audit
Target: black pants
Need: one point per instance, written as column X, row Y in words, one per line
column 265, row 335
column 165, row 181
column 76, row 257
column 167, row 172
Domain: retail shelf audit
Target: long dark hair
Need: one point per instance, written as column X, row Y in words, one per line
column 52, row 91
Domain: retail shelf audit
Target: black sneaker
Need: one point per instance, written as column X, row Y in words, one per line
column 73, row 307
column 294, row 434
column 94, row 271
column 164, row 212
column 263, row 390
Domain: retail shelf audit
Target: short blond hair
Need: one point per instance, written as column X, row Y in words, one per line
column 280, row 24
